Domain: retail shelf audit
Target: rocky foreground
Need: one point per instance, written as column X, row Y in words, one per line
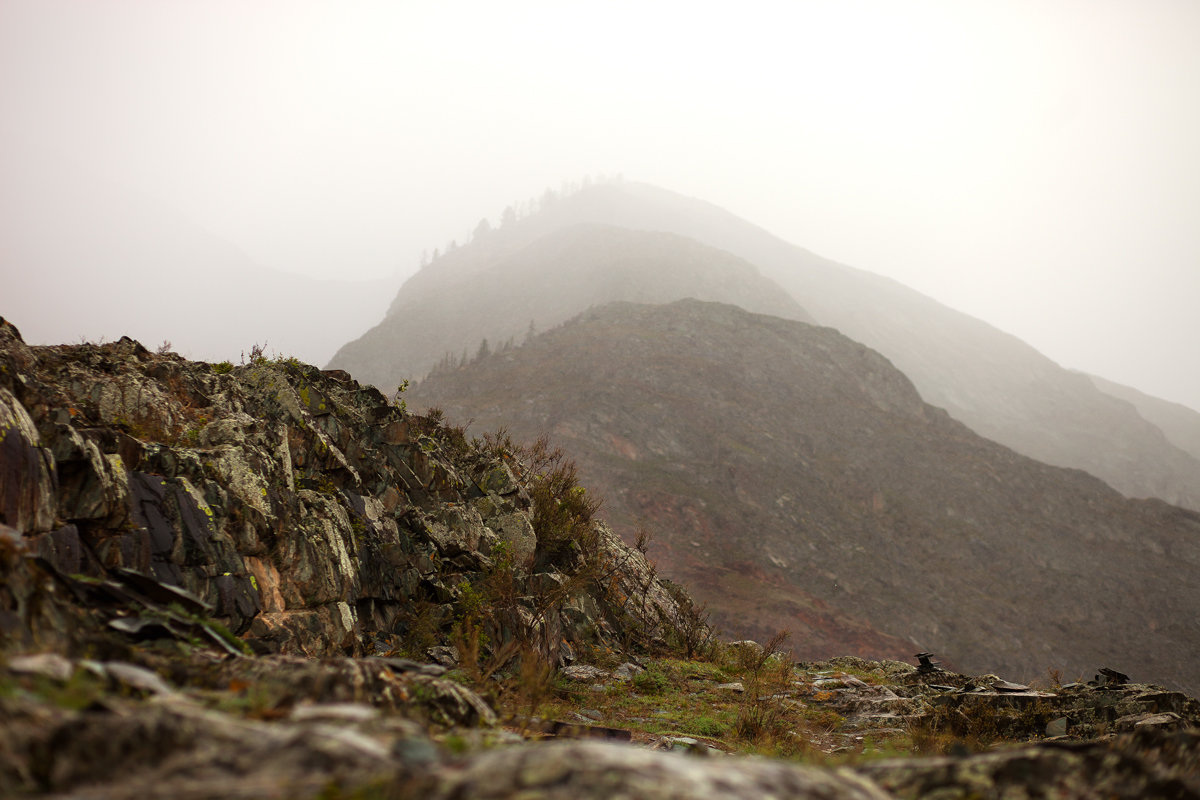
column 267, row 581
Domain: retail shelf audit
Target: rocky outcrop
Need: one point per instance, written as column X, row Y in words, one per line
column 304, row 512
column 283, row 726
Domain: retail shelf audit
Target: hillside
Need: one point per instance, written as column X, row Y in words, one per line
column 779, row 462
column 496, row 287
column 998, row 385
column 267, row 581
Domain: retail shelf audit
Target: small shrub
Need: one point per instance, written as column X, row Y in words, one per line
column 689, row 632
column 258, row 355
column 706, row 726
column 760, row 717
column 652, row 681
column 562, row 509
column 398, row 398
column 223, row 367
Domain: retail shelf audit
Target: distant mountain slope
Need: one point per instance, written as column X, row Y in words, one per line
column 495, row 287
column 1180, row 424
column 83, row 257
column 995, row 383
column 780, row 462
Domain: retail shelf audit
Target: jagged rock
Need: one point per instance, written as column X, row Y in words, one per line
column 27, row 489
column 1167, row 721
column 587, row 770
column 132, row 676
column 627, row 671
column 1128, row 768
column 181, row 750
column 443, row 656
column 584, row 672
column 304, row 511
column 516, row 531
column 1057, row 727
column 51, row 665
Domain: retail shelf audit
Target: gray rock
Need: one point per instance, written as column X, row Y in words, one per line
column 137, row 677
column 334, row 712
column 27, row 497
column 516, row 532
column 627, row 671
column 584, row 672
column 1165, row 720
column 598, row 771
column 51, row 665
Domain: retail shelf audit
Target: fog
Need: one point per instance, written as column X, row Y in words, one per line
column 1031, row 163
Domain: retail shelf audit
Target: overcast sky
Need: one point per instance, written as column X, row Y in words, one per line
column 1035, row 164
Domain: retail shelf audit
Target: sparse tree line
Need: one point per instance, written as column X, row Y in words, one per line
column 519, row 210
column 450, row 362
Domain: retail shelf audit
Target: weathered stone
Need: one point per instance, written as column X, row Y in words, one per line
column 1128, row 768
column 499, row 480
column 1166, row 720
column 453, row 703
column 27, row 487
column 51, row 665
column 516, row 532
column 627, row 671
column 585, row 770
column 584, row 672
column 136, row 677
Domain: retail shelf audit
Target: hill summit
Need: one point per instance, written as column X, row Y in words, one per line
column 545, row 269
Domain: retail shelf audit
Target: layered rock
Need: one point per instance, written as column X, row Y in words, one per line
column 303, row 511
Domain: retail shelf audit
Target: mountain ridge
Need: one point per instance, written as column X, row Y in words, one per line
column 501, row 284
column 994, row 382
column 810, row 462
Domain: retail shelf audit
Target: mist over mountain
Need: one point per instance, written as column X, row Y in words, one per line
column 1179, row 423
column 541, row 273
column 72, row 238
column 779, row 463
column 995, row 383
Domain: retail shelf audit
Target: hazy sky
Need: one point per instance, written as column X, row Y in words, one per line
column 1036, row 164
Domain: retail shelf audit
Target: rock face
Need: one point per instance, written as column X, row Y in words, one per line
column 301, row 510
column 596, row 770
column 993, row 382
column 795, row 479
